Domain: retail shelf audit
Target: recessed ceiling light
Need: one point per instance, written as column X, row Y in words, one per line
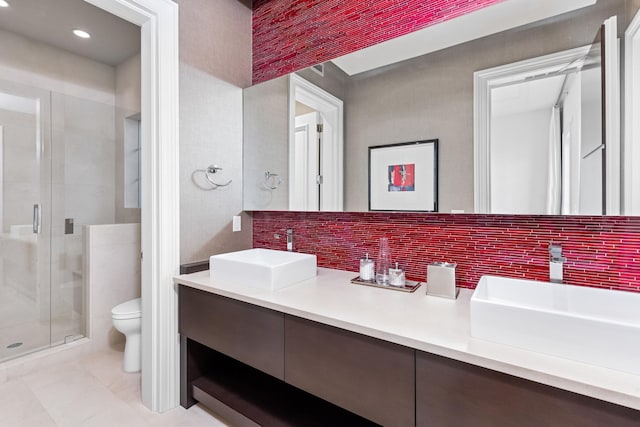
column 4, row 3
column 79, row 33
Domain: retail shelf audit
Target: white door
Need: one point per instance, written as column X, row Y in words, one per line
column 304, row 170
column 611, row 117
column 571, row 146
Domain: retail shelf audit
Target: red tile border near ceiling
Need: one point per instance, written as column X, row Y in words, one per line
column 289, row 35
column 601, row 251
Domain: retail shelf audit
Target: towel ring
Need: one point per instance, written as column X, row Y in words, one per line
column 208, row 174
column 271, row 180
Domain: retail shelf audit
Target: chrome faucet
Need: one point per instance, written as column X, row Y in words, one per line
column 290, row 240
column 556, row 263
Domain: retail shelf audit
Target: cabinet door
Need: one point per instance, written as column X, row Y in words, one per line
column 452, row 393
column 367, row 376
column 251, row 334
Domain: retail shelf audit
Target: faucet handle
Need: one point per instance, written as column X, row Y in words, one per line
column 555, row 253
column 290, row 240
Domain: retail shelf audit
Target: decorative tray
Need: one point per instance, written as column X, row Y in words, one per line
column 410, row 285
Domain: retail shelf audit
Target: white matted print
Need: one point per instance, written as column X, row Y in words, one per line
column 404, row 177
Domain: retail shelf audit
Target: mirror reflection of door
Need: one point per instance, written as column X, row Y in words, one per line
column 305, row 171
column 315, row 148
column 546, row 145
column 522, row 119
column 548, row 151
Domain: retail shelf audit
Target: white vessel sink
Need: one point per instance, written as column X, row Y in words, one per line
column 262, row 268
column 595, row 326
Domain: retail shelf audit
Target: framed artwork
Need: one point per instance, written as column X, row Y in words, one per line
column 404, row 177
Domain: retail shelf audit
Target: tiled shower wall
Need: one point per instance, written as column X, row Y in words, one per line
column 112, row 271
column 601, row 251
column 291, row 35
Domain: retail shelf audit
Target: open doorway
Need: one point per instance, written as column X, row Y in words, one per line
column 62, row 147
column 159, row 193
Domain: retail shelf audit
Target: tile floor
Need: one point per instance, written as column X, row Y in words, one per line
column 21, row 321
column 91, row 390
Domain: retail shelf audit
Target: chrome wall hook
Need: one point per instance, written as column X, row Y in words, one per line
column 208, row 174
column 271, row 180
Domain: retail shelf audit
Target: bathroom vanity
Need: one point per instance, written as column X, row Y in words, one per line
column 327, row 352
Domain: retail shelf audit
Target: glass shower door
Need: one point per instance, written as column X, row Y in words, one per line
column 84, row 193
column 25, row 195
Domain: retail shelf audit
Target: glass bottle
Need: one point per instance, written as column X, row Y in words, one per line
column 383, row 262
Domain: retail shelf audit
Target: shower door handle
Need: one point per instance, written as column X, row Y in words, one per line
column 37, row 216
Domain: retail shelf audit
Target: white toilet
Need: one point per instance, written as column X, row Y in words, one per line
column 127, row 318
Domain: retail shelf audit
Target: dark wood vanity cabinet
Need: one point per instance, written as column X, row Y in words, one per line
column 232, row 361
column 257, row 366
column 453, row 393
column 367, row 376
column 251, row 334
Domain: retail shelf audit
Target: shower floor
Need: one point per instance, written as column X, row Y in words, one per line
column 22, row 322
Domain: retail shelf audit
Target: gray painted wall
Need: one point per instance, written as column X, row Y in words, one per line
column 215, row 64
column 333, row 81
column 266, row 147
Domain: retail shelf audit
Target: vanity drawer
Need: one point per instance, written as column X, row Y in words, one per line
column 246, row 332
column 370, row 377
column 453, row 393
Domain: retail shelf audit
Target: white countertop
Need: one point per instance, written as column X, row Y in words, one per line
column 435, row 325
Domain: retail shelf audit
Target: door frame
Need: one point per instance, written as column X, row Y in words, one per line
column 612, row 117
column 160, row 200
column 631, row 124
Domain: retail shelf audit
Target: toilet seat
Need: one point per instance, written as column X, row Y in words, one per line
column 127, row 310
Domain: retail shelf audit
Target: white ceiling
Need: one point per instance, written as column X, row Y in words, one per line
column 18, row 104
column 50, row 21
column 483, row 22
column 526, row 96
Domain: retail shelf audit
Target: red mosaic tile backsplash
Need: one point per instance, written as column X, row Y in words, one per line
column 601, row 251
column 289, row 35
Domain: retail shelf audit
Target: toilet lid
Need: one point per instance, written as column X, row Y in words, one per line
column 130, row 308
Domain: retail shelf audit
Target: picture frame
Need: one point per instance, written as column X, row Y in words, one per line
column 404, row 176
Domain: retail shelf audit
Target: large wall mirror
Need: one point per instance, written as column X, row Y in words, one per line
column 435, row 96
column 547, row 132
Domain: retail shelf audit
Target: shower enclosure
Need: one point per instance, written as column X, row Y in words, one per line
column 57, row 171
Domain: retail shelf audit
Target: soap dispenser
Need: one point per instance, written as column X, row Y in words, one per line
column 396, row 277
column 556, row 263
